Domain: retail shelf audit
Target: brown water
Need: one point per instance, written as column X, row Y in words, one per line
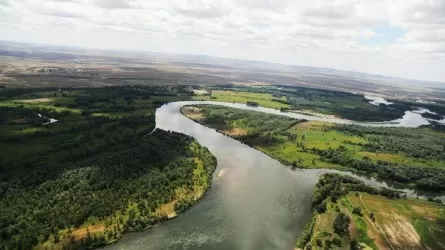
column 255, row 202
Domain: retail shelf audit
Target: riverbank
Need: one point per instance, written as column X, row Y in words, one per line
column 315, row 144
column 102, row 232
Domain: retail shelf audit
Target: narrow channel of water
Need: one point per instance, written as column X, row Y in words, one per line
column 410, row 119
column 255, row 202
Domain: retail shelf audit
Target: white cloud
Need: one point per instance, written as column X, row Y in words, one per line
column 324, row 33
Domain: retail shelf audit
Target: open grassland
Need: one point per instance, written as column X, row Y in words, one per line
column 414, row 156
column 263, row 99
column 95, row 174
column 350, row 215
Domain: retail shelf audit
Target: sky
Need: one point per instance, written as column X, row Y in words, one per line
column 402, row 38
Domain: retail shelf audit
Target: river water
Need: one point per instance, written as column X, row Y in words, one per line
column 254, row 203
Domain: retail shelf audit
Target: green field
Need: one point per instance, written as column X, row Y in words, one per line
column 376, row 221
column 413, row 156
column 95, row 174
column 263, row 99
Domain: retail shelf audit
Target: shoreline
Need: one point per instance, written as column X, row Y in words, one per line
column 163, row 220
column 91, row 235
column 409, row 186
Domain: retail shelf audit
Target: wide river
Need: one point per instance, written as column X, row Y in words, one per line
column 255, row 202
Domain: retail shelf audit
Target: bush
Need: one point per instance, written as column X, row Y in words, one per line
column 341, row 224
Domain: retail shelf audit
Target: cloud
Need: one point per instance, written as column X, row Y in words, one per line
column 202, row 9
column 5, row 2
column 306, row 32
column 116, row 4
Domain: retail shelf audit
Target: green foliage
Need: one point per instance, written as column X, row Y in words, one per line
column 319, row 242
column 337, row 241
column 329, row 189
column 341, row 224
column 415, row 142
column 339, row 146
column 223, row 118
column 354, row 245
column 357, row 211
column 428, row 178
column 305, row 237
column 97, row 169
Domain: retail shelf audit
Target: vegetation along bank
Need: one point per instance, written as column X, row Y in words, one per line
column 414, row 156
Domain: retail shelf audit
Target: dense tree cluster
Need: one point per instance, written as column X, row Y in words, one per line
column 427, row 178
column 91, row 169
column 333, row 186
column 146, row 175
column 341, row 224
column 221, row 118
column 418, row 143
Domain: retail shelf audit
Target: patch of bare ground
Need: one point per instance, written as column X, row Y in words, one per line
column 82, row 233
column 193, row 113
column 37, row 100
column 235, row 132
column 167, row 209
column 427, row 212
column 401, row 232
column 353, row 232
column 375, row 234
column 313, row 113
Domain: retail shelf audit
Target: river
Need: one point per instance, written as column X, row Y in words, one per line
column 254, row 203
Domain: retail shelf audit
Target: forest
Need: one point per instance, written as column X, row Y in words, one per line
column 413, row 156
column 348, row 214
column 96, row 173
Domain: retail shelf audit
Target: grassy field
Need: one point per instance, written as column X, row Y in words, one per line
column 376, row 221
column 263, row 99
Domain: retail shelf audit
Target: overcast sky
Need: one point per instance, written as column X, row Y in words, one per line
column 404, row 38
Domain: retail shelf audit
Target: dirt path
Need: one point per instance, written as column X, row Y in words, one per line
column 377, row 225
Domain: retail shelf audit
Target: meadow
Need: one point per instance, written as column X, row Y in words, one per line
column 263, row 99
